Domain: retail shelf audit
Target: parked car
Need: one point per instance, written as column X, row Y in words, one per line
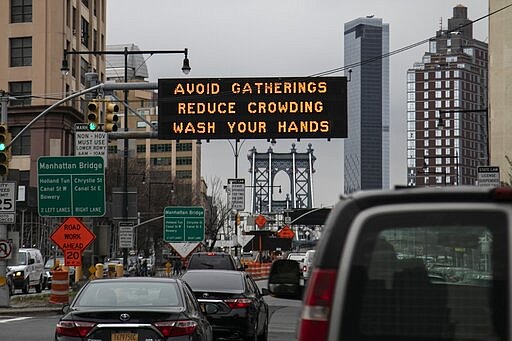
column 241, row 310
column 213, row 260
column 48, row 272
column 135, row 308
column 28, row 271
column 371, row 278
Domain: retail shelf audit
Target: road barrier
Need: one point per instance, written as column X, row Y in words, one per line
column 60, row 287
column 258, row 270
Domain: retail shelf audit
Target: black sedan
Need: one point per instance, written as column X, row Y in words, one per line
column 135, row 308
column 241, row 310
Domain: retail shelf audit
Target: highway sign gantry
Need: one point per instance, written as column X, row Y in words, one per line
column 71, row 186
column 183, row 224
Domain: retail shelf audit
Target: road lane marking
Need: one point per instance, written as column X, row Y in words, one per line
column 15, row 319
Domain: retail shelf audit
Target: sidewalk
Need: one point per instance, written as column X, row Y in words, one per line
column 30, row 304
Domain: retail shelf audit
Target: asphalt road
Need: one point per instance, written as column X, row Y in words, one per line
column 40, row 325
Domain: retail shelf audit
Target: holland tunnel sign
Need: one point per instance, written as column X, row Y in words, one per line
column 252, row 108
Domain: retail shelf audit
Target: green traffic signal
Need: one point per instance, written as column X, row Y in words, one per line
column 4, row 152
column 93, row 117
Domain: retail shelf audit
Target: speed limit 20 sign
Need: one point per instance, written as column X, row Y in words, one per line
column 7, row 202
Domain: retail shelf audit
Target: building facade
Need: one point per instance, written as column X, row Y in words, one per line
column 500, row 87
column 447, row 135
column 366, row 149
column 33, row 37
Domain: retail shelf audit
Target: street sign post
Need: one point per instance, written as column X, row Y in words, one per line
column 7, row 202
column 71, row 186
column 90, row 143
column 183, row 224
column 236, row 194
column 72, row 237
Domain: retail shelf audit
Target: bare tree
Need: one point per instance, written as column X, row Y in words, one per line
column 217, row 211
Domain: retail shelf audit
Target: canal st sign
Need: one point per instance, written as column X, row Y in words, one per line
column 71, row 186
column 252, row 108
column 72, row 237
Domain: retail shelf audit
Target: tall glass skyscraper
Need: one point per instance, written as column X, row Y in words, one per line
column 366, row 148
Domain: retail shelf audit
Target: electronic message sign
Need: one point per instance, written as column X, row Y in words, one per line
column 252, row 108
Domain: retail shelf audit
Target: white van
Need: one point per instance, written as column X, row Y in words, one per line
column 28, row 271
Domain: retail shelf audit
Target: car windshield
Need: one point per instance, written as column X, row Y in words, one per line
column 129, row 294
column 22, row 258
column 50, row 263
column 213, row 281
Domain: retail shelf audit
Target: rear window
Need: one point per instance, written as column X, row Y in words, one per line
column 214, row 261
column 426, row 277
column 129, row 294
column 212, row 281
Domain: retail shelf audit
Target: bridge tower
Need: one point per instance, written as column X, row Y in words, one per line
column 299, row 170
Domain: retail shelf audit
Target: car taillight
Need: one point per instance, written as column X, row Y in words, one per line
column 314, row 323
column 176, row 328
column 74, row 328
column 238, row 303
column 305, row 268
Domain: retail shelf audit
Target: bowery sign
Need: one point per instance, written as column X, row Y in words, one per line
column 252, row 108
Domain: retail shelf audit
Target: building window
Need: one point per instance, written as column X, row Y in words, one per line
column 21, row 51
column 84, row 68
column 184, row 147
column 22, row 91
column 184, row 160
column 160, row 161
column 184, row 174
column 85, row 32
column 141, row 148
column 21, row 11
column 86, row 3
column 23, row 142
column 438, row 74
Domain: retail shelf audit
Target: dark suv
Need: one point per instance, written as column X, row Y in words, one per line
column 410, row 264
column 212, row 260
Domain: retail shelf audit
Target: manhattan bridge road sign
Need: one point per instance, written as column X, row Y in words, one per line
column 71, row 186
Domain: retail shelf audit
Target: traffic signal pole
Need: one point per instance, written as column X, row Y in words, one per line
column 4, row 289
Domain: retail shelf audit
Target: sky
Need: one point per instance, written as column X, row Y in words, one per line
column 281, row 38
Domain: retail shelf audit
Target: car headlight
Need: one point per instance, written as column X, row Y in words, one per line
column 19, row 274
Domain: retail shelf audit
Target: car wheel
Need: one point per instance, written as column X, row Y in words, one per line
column 11, row 288
column 25, row 287
column 39, row 286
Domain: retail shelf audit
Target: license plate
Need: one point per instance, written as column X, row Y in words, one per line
column 124, row 337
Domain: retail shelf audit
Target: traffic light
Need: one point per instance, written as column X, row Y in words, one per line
column 237, row 219
column 93, row 116
column 5, row 139
column 111, row 117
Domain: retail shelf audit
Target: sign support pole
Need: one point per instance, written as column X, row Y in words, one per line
column 4, row 289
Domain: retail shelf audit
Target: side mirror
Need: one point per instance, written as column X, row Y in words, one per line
column 284, row 279
column 65, row 309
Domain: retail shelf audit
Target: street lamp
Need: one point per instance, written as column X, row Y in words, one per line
column 186, row 70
